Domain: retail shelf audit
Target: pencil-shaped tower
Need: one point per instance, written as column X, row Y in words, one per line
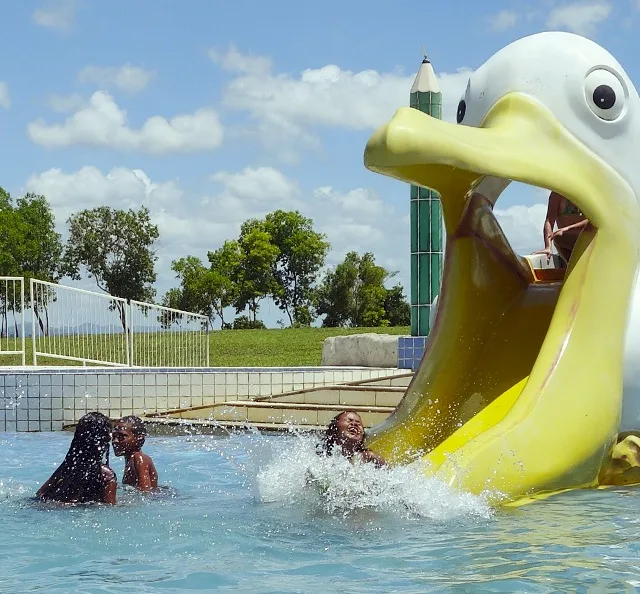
column 426, row 215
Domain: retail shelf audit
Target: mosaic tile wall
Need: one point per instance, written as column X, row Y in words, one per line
column 410, row 351
column 45, row 399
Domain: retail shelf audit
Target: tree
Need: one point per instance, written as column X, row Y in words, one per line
column 225, row 263
column 335, row 297
column 353, row 294
column 207, row 291
column 116, row 248
column 397, row 309
column 254, row 275
column 301, row 255
column 30, row 247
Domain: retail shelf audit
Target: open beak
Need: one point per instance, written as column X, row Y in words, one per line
column 520, row 388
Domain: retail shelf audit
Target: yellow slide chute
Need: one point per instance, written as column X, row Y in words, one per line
column 519, row 392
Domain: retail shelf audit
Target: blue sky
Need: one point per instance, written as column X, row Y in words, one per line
column 214, row 112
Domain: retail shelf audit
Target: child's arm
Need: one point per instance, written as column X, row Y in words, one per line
column 369, row 456
column 110, row 492
column 145, row 471
column 44, row 488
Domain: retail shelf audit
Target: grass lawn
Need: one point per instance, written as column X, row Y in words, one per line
column 230, row 348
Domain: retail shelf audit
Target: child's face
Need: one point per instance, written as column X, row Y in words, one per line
column 350, row 428
column 125, row 442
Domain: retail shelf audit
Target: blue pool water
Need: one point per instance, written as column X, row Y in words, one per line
column 237, row 516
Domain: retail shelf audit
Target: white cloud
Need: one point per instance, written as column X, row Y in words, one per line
column 5, row 99
column 129, row 78
column 56, row 14
column 287, row 108
column 102, row 123
column 90, row 187
column 523, row 226
column 503, row 20
column 579, row 17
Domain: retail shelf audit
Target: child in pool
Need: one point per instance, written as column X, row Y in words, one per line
column 129, row 435
column 83, row 477
column 346, row 432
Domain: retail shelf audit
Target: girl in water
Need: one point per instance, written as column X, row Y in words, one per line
column 345, row 435
column 83, row 477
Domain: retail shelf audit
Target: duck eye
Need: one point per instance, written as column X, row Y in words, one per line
column 606, row 94
column 462, row 109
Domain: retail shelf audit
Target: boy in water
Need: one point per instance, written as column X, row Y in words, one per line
column 128, row 438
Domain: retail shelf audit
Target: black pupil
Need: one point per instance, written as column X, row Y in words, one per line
column 604, row 97
column 462, row 108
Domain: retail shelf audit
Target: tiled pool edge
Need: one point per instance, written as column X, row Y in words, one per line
column 46, row 398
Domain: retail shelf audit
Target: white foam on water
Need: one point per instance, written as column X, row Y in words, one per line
column 296, row 474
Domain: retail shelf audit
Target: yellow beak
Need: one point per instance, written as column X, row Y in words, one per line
column 520, row 388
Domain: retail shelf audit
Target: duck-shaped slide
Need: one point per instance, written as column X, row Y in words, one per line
column 527, row 379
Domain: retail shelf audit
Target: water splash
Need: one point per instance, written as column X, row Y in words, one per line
column 295, row 474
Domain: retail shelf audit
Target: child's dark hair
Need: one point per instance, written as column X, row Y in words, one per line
column 331, row 435
column 138, row 428
column 79, row 477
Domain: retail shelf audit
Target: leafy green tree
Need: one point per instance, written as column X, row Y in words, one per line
column 207, row 291
column 225, row 264
column 353, row 293
column 335, row 297
column 254, row 275
column 301, row 255
column 116, row 248
column 397, row 309
column 29, row 247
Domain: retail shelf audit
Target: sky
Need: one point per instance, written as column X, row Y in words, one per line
column 211, row 113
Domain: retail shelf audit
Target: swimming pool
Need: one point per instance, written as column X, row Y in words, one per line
column 237, row 517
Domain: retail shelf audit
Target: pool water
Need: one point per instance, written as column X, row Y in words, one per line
column 252, row 513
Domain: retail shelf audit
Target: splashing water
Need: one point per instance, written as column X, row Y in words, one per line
column 297, row 475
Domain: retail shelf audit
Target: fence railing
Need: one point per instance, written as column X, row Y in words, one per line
column 12, row 335
column 177, row 336
column 79, row 325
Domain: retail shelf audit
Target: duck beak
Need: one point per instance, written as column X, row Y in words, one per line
column 520, row 387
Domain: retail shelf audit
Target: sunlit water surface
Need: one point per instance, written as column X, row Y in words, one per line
column 251, row 513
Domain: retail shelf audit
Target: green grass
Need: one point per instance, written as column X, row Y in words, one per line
column 234, row 348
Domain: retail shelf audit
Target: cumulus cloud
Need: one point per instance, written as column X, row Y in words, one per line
column 129, row 78
column 102, row 123
column 56, row 14
column 580, row 17
column 5, row 99
column 288, row 108
column 503, row 20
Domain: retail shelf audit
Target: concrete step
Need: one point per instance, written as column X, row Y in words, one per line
column 343, row 395
column 285, row 414
column 390, row 380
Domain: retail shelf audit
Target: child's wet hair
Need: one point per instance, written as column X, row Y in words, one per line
column 138, row 428
column 79, row 477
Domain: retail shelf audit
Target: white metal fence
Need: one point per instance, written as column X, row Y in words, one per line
column 12, row 337
column 160, row 334
column 79, row 325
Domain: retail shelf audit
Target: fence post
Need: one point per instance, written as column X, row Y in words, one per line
column 130, row 354
column 24, row 342
column 208, row 342
column 33, row 324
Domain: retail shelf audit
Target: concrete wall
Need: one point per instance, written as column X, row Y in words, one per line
column 365, row 350
column 45, row 399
